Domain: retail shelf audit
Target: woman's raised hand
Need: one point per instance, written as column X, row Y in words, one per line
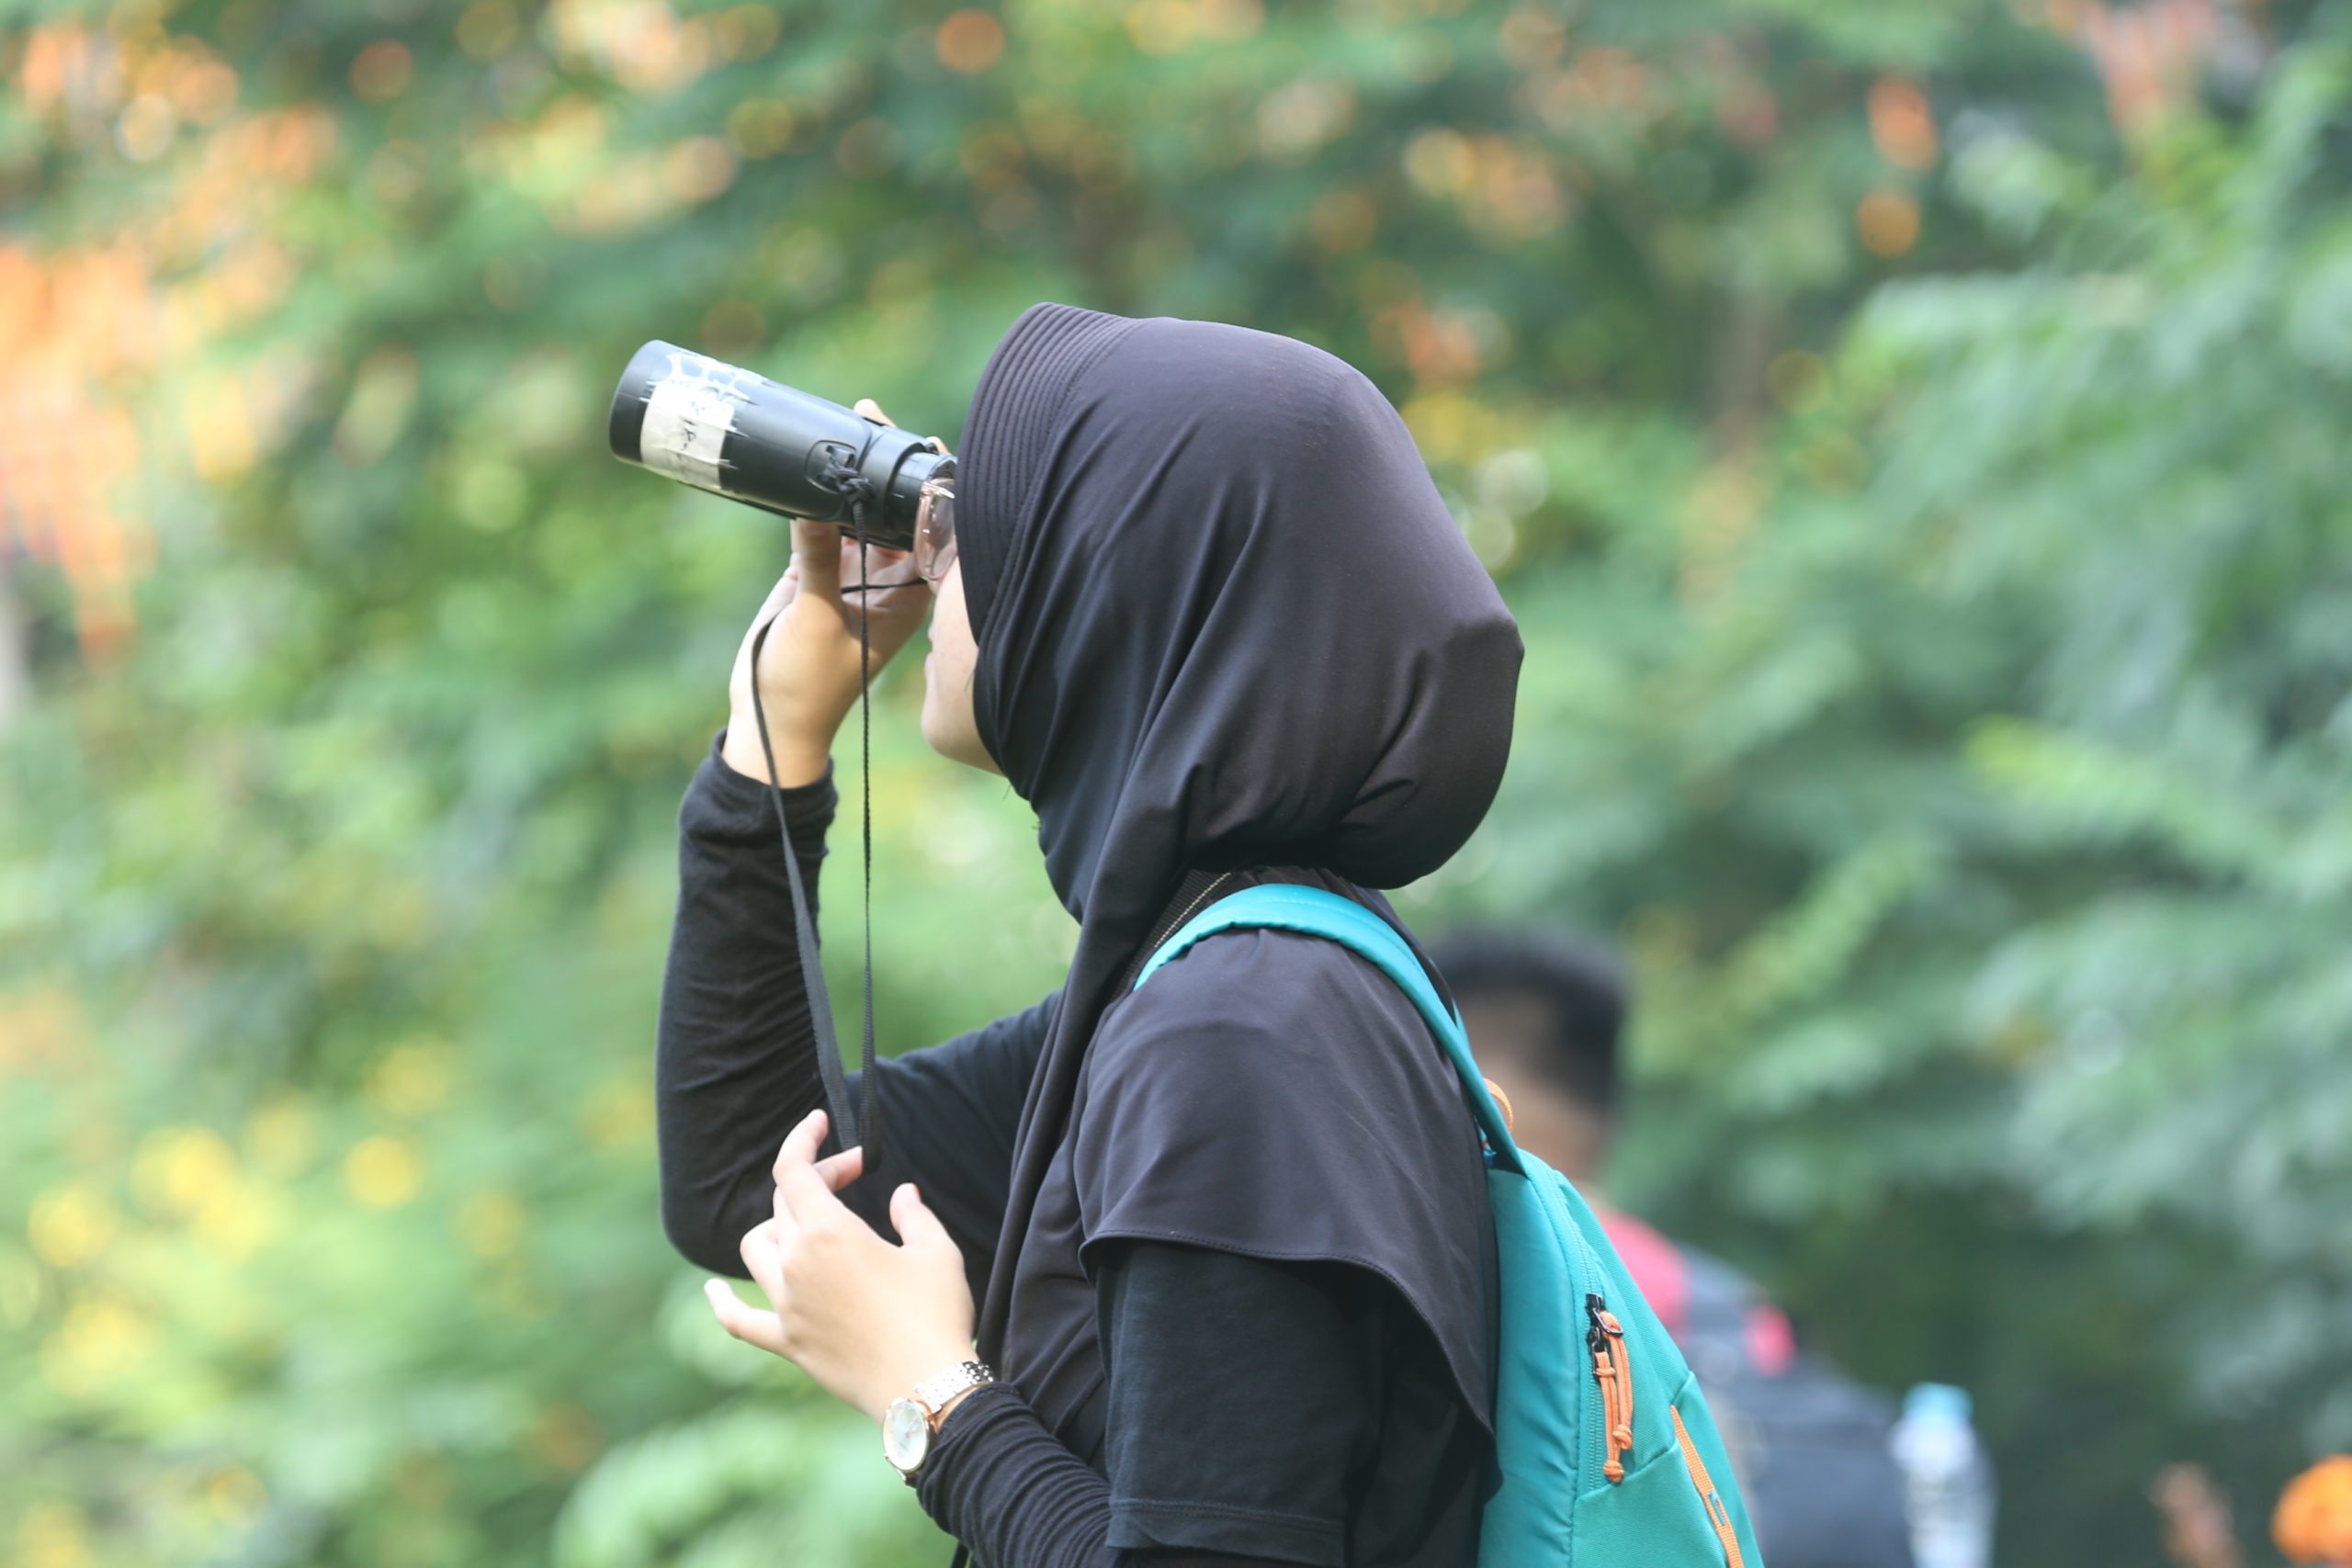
column 809, row 666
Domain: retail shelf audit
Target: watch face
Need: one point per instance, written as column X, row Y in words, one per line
column 906, row 1435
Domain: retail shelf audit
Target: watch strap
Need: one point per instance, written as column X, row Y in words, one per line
column 933, row 1393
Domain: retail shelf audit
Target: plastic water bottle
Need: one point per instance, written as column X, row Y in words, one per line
column 1948, row 1480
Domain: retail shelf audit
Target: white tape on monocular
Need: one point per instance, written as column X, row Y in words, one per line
column 688, row 414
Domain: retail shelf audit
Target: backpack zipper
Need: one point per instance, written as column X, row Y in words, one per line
column 1727, row 1533
column 1614, row 1370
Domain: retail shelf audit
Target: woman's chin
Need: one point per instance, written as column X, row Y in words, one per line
column 943, row 734
column 957, row 741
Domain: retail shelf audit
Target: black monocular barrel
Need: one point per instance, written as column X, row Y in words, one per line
column 727, row 430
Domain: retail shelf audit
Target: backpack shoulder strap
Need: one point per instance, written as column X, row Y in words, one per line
column 1317, row 912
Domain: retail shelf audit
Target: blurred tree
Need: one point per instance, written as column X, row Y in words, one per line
column 1940, row 709
column 1974, row 808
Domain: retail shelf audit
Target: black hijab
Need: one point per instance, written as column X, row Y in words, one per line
column 1223, row 620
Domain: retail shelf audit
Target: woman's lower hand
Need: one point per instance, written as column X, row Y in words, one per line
column 867, row 1319
column 809, row 669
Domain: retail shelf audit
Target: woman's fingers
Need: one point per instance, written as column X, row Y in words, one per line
column 839, row 1170
column 801, row 1144
column 916, row 1225
column 817, row 556
column 802, row 1196
column 749, row 1324
column 873, row 410
column 884, row 569
column 762, row 1250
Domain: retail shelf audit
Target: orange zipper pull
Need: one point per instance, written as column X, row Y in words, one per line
column 1605, row 1373
column 1614, row 1370
column 1624, row 1377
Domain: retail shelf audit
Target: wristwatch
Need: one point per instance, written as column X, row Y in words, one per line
column 910, row 1424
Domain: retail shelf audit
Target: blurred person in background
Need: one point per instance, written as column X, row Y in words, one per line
column 1545, row 1014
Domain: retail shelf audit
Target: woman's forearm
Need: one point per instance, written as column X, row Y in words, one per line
column 1000, row 1482
column 734, row 1062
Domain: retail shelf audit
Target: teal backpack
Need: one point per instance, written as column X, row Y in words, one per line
column 1605, row 1454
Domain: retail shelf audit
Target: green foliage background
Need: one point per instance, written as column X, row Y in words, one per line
column 1918, row 463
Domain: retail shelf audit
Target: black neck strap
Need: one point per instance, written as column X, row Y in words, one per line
column 850, row 1127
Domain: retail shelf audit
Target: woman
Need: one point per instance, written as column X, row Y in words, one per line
column 1228, row 1233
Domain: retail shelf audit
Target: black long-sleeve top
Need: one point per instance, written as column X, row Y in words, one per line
column 1254, row 1411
